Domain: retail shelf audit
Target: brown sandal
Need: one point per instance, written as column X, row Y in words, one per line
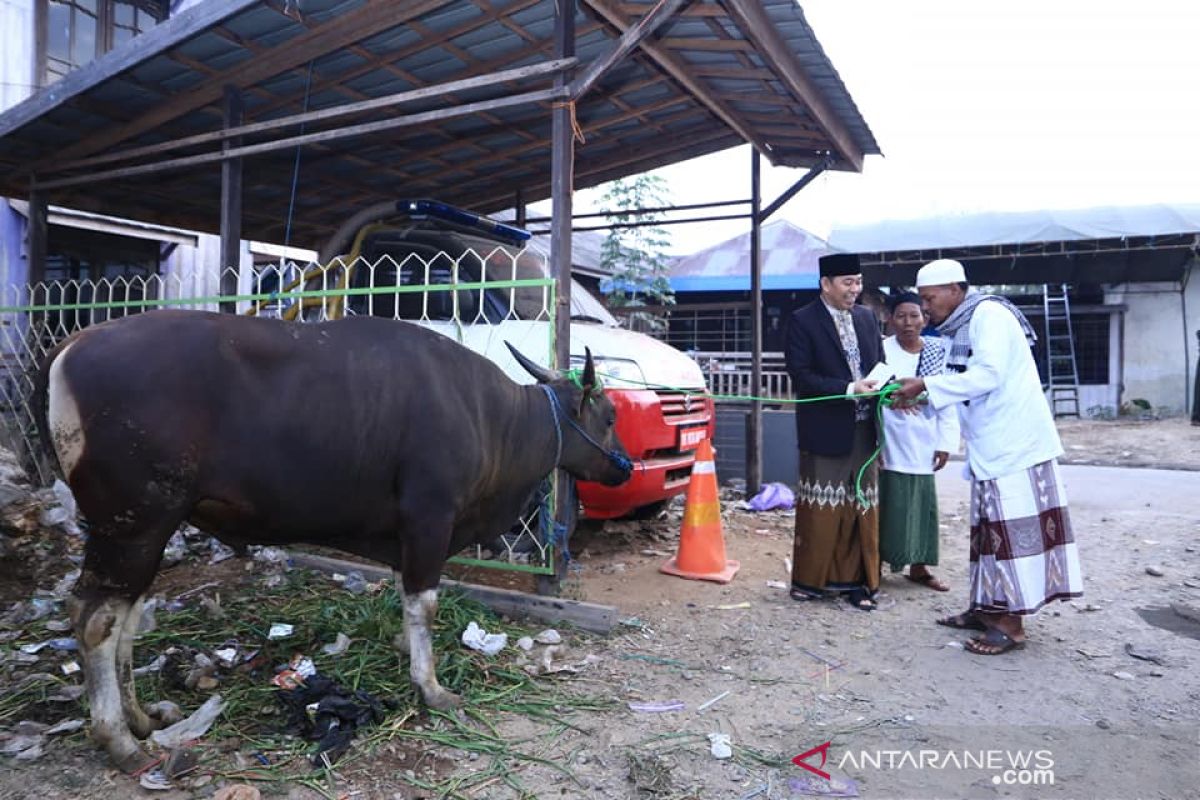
column 928, row 580
column 965, row 621
column 993, row 643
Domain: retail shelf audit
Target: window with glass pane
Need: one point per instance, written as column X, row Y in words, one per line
column 78, row 31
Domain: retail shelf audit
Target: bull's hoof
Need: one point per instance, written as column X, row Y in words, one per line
column 136, row 760
column 442, row 700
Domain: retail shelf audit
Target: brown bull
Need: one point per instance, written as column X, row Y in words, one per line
column 375, row 437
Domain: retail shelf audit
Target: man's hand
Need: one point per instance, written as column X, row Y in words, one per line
column 864, row 387
column 940, row 457
column 910, row 389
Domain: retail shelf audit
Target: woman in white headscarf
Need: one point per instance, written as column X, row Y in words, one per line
column 916, row 443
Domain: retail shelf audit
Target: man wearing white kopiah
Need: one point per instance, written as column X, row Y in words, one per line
column 1023, row 552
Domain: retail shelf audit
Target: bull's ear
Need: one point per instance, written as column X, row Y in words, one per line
column 542, row 374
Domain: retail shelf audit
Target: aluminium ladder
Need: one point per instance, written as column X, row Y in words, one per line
column 1062, row 373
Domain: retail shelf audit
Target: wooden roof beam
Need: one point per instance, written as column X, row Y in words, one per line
column 752, row 19
column 489, row 15
column 341, row 31
column 682, row 74
column 590, row 174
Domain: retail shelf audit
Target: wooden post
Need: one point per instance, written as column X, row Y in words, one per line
column 231, row 204
column 562, row 181
column 38, row 232
column 754, row 437
column 519, row 202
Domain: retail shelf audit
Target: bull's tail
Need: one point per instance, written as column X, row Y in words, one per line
column 40, row 406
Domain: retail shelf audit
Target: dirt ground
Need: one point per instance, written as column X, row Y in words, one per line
column 1105, row 698
column 1172, row 443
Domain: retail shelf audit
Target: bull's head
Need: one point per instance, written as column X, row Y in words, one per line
column 586, row 420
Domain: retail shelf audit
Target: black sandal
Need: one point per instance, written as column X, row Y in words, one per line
column 861, row 600
column 802, row 596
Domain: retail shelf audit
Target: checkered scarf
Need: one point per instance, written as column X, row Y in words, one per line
column 932, row 360
column 957, row 327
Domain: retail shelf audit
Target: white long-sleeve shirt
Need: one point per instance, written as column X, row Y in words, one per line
column 1007, row 422
column 910, row 440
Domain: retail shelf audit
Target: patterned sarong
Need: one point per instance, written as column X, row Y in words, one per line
column 1023, row 553
column 837, row 538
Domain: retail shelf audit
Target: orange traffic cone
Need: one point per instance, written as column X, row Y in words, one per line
column 701, row 553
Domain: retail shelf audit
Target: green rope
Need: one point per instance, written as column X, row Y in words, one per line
column 884, row 395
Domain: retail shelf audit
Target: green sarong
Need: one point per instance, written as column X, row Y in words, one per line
column 908, row 519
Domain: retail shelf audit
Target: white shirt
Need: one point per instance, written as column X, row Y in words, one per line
column 910, row 440
column 1007, row 424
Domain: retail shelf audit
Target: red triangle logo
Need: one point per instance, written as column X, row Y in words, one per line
column 823, row 749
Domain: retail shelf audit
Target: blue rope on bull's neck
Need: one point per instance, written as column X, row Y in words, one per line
column 557, row 425
column 618, row 460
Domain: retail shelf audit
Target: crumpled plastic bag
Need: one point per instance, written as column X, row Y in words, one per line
column 477, row 638
column 338, row 714
column 721, row 745
column 191, row 728
column 771, row 497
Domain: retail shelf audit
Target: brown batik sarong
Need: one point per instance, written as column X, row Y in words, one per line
column 1023, row 552
column 837, row 537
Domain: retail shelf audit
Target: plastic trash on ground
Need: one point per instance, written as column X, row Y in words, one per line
column 155, row 781
column 773, row 496
column 280, row 630
column 191, row 728
column 327, row 713
column 219, row 551
column 355, row 583
column 720, row 745
column 657, row 707
column 477, row 638
column 548, row 636
column 836, row 786
column 338, row 646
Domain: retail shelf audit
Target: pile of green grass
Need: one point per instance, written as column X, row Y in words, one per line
column 319, row 609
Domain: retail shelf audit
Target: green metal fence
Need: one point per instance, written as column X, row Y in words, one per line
column 457, row 296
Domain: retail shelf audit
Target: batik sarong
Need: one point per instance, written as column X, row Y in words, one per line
column 1023, row 552
column 837, row 537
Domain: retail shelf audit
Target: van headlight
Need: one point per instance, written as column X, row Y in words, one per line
column 614, row 371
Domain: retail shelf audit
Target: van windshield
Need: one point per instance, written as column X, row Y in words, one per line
column 416, row 255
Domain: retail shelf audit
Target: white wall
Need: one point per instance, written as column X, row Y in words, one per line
column 16, row 51
column 1192, row 299
column 1159, row 360
column 192, row 271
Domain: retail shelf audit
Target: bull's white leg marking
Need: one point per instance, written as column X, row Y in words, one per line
column 99, row 637
column 419, row 611
column 66, row 426
column 400, row 642
column 138, row 721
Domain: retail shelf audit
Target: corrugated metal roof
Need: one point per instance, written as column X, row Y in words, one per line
column 1109, row 244
column 1017, row 227
column 716, row 75
column 789, row 253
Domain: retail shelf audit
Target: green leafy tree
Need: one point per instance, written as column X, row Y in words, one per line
column 635, row 257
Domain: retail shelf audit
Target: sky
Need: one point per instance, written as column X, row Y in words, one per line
column 987, row 107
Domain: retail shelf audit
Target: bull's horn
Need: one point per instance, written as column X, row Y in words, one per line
column 542, row 374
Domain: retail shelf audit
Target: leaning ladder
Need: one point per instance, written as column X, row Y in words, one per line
column 1062, row 374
